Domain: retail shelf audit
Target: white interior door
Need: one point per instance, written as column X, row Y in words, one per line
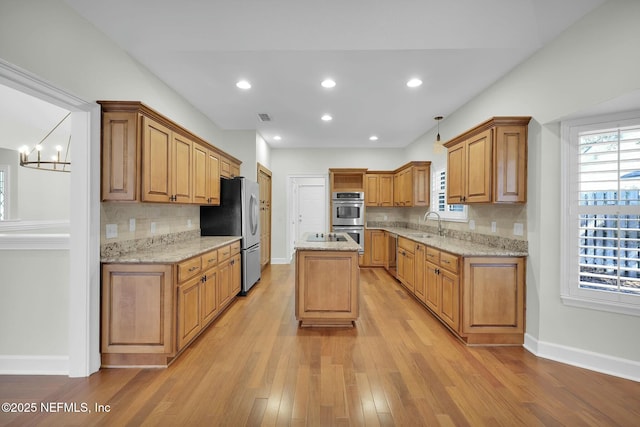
column 309, row 201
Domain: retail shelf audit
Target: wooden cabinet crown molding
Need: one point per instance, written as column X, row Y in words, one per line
column 141, row 108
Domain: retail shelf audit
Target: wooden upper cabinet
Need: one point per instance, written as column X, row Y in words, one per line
column 182, row 169
column 347, row 179
column 206, row 176
column 213, row 178
column 488, row 164
column 199, row 174
column 228, row 168
column 120, row 156
column 147, row 157
column 156, row 161
column 378, row 189
column 411, row 184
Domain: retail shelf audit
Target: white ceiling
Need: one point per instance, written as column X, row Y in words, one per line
column 370, row 47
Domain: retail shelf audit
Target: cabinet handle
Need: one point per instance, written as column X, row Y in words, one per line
column 194, row 268
column 444, row 262
column 210, row 260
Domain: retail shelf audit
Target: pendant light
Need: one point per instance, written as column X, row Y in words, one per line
column 438, row 118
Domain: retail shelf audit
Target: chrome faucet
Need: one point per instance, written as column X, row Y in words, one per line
column 426, row 215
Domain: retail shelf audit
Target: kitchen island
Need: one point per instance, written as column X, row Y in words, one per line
column 327, row 280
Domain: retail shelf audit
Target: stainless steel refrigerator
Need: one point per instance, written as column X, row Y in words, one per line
column 237, row 215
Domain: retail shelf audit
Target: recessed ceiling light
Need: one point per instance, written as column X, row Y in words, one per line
column 243, row 84
column 328, row 83
column 327, row 118
column 414, row 82
column 373, row 138
column 277, row 138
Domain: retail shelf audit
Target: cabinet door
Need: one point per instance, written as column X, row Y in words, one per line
column 156, row 161
column 432, row 287
column 236, row 275
column 199, row 176
column 213, row 178
column 225, row 167
column 494, row 295
column 181, row 170
column 407, row 187
column 450, row 301
column 189, row 314
column 378, row 248
column 478, row 163
column 209, row 296
column 120, row 151
column 224, row 283
column 371, row 184
column 385, row 190
column 419, row 276
column 510, row 164
column 420, row 185
column 456, row 174
column 137, row 308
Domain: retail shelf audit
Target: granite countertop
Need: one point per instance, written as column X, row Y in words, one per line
column 449, row 244
column 348, row 245
column 172, row 252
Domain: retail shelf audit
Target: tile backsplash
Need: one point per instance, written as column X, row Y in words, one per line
column 505, row 216
column 149, row 220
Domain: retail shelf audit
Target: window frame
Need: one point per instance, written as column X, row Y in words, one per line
column 436, row 190
column 570, row 291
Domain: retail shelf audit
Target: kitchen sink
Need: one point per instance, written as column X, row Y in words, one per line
column 421, row 235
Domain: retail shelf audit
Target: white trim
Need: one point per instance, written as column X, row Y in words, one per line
column 34, row 241
column 84, row 244
column 34, row 365
column 6, row 169
column 610, row 365
column 281, row 260
column 17, row 225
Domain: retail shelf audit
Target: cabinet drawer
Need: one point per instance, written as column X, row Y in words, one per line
column 407, row 244
column 210, row 259
column 235, row 248
column 224, row 253
column 433, row 255
column 188, row 269
column 449, row 261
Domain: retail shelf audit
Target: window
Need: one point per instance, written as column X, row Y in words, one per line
column 602, row 224
column 439, row 199
column 4, row 192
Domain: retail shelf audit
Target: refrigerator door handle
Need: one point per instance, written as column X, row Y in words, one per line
column 253, row 203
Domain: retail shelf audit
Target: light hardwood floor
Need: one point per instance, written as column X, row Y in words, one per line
column 399, row 366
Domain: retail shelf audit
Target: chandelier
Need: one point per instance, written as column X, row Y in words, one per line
column 39, row 161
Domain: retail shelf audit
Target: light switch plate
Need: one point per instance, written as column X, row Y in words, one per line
column 518, row 229
column 494, row 227
column 111, row 231
column 132, row 224
column 153, row 228
column 472, row 224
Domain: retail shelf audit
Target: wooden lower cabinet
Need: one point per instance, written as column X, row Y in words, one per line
column 493, row 300
column 151, row 312
column 375, row 248
column 327, row 288
column 406, row 262
column 481, row 299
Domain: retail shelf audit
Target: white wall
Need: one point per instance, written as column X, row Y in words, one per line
column 48, row 39
column 594, row 61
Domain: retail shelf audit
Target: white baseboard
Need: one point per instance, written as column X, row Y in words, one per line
column 280, row 261
column 610, row 365
column 34, row 365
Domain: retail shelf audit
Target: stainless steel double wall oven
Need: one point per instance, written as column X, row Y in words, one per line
column 347, row 215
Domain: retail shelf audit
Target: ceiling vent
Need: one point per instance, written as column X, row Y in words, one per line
column 264, row 117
